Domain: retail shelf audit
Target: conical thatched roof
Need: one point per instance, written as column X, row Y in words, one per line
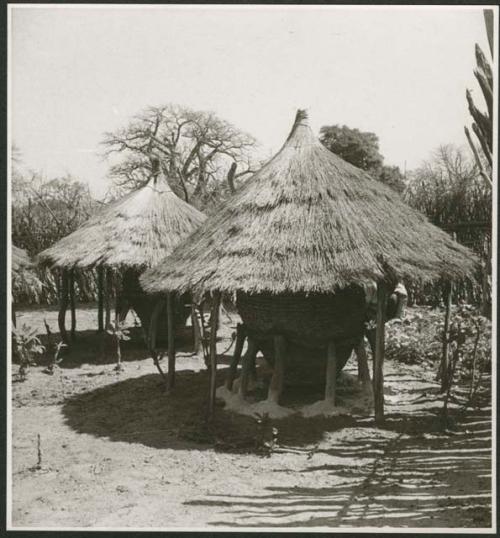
column 309, row 222
column 136, row 231
column 20, row 259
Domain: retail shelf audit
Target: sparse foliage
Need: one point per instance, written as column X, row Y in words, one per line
column 44, row 211
column 448, row 189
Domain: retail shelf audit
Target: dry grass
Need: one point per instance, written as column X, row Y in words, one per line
column 20, row 259
column 24, row 279
column 309, row 222
column 137, row 231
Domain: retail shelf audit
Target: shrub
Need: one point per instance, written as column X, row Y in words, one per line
column 26, row 346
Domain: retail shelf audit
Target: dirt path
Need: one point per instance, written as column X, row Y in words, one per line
column 118, row 452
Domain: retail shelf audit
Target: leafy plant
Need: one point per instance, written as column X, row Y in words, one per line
column 418, row 339
column 119, row 333
column 53, row 350
column 26, row 345
column 266, row 440
column 469, row 354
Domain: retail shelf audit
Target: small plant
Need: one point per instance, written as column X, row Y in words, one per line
column 26, row 346
column 469, row 353
column 53, row 350
column 267, row 437
column 415, row 338
column 119, row 333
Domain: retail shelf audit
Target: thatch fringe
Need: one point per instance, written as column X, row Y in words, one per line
column 309, row 222
column 137, row 231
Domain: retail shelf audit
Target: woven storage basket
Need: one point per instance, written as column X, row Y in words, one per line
column 308, row 323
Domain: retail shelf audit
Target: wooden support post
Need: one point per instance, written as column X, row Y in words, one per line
column 246, row 365
column 63, row 305
column 214, row 323
column 378, row 365
column 100, row 298
column 276, row 384
column 238, row 348
column 72, row 304
column 195, row 324
column 107, row 297
column 486, row 270
column 331, row 374
column 443, row 367
column 171, row 340
column 363, row 369
column 117, row 325
column 13, row 312
column 151, row 339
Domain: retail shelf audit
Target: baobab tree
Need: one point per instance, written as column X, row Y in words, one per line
column 196, row 150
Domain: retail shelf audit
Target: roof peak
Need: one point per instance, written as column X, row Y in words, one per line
column 301, row 133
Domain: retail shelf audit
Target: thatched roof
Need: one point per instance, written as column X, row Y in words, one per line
column 309, row 222
column 20, row 259
column 136, row 231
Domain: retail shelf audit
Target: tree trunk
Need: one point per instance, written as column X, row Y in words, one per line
column 230, row 177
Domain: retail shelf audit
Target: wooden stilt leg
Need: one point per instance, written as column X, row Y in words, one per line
column 363, row 369
column 100, row 298
column 72, row 304
column 195, row 324
column 63, row 306
column 108, row 295
column 214, row 319
column 443, row 367
column 378, row 365
column 238, row 348
column 118, row 325
column 276, row 384
column 151, row 339
column 171, row 340
column 331, row 373
column 246, row 365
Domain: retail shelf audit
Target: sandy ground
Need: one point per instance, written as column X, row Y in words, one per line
column 117, row 451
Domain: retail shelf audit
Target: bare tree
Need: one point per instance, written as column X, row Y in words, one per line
column 448, row 188
column 195, row 148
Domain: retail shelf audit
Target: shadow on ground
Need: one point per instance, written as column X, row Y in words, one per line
column 91, row 347
column 406, row 484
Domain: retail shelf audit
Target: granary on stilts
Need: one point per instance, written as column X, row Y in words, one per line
column 120, row 242
column 296, row 245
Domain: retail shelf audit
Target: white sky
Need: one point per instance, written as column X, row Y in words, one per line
column 398, row 72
